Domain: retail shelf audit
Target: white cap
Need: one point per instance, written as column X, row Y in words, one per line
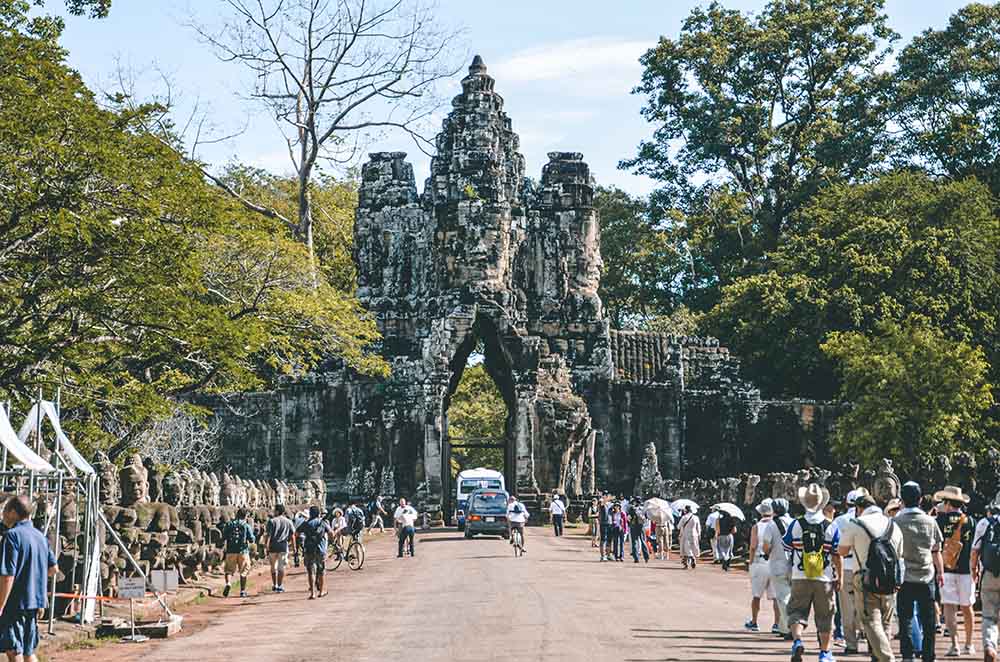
column 851, row 496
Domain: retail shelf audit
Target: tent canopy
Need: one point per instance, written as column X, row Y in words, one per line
column 63, row 445
column 16, row 447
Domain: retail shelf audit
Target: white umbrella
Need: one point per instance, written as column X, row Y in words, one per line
column 679, row 505
column 732, row 509
column 658, row 509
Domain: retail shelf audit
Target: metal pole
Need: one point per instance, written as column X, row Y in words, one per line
column 55, row 577
column 88, row 521
column 6, row 409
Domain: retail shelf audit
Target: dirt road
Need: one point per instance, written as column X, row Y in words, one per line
column 472, row 600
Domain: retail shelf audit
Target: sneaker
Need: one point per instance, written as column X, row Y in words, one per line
column 750, row 625
column 281, row 589
column 798, row 650
column 243, row 594
column 274, row 588
column 825, row 656
column 775, row 629
column 840, row 642
column 225, row 591
column 952, row 651
column 970, row 650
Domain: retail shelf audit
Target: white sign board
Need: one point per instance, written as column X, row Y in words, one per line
column 164, row 581
column 131, row 588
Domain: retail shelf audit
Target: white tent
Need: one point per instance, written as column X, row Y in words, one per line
column 31, row 460
column 68, row 451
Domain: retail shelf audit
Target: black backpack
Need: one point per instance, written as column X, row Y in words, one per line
column 355, row 520
column 725, row 524
column 990, row 547
column 236, row 534
column 813, row 560
column 882, row 574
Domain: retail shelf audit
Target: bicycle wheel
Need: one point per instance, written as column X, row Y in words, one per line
column 517, row 542
column 335, row 560
column 355, row 556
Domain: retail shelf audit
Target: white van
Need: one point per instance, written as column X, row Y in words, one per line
column 469, row 481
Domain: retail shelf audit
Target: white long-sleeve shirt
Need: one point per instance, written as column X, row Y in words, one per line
column 515, row 517
column 557, row 507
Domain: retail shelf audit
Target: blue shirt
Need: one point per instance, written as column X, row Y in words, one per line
column 25, row 556
column 316, row 532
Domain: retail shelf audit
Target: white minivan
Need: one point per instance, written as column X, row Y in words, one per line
column 469, row 481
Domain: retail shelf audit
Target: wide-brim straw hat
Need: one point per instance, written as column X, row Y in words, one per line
column 951, row 493
column 893, row 505
column 814, row 497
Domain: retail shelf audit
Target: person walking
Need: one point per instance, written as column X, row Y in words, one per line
column 278, row 539
column 924, row 572
column 957, row 591
column 405, row 519
column 664, row 534
column 375, row 513
column 636, row 526
column 316, row 533
column 778, row 563
column 604, row 516
column 713, row 541
column 26, row 563
column 725, row 529
column 238, row 535
column 558, row 510
column 689, row 537
column 986, row 551
column 760, row 573
column 811, row 541
column 619, row 525
column 848, row 612
column 593, row 522
column 874, row 609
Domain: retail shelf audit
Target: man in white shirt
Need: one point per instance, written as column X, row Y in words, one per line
column 406, row 519
column 778, row 563
column 848, row 613
column 517, row 517
column 558, row 510
column 760, row 571
column 874, row 611
column 710, row 527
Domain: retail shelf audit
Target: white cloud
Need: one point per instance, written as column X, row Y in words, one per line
column 596, row 66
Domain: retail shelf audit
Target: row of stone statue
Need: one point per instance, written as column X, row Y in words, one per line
column 143, row 482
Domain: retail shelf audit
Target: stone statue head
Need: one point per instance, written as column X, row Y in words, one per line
column 173, row 488
column 134, row 482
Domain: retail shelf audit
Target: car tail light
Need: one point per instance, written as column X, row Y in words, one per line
column 474, row 518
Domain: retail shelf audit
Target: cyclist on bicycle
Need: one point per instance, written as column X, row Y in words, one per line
column 517, row 517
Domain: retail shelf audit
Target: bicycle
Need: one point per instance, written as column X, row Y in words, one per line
column 517, row 542
column 355, row 554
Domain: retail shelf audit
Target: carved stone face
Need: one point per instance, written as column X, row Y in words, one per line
column 134, row 482
column 173, row 488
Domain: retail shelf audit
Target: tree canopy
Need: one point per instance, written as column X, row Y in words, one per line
column 125, row 278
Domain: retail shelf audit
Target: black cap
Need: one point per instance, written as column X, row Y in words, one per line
column 910, row 494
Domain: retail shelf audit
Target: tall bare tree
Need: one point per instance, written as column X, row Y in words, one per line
column 333, row 73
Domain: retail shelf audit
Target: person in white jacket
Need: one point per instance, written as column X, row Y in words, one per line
column 689, row 536
column 558, row 511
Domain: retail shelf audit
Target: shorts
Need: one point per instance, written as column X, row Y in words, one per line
column 19, row 632
column 958, row 590
column 237, row 563
column 760, row 581
column 315, row 562
column 814, row 594
column 278, row 560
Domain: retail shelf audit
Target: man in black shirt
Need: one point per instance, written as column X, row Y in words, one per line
column 957, row 592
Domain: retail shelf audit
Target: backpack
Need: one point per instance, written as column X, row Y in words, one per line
column 952, row 548
column 990, row 550
column 883, row 573
column 725, row 524
column 236, row 535
column 518, row 508
column 813, row 560
column 355, row 520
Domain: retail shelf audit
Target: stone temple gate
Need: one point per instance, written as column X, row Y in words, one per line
column 485, row 255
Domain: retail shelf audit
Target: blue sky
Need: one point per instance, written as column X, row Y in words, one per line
column 564, row 67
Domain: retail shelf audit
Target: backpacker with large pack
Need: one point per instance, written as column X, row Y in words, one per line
column 814, row 560
column 355, row 520
column 883, row 572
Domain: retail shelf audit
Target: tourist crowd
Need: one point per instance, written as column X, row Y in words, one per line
column 865, row 574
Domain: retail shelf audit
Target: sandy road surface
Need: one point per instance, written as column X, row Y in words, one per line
column 472, row 600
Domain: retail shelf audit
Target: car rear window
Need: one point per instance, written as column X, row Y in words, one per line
column 490, row 502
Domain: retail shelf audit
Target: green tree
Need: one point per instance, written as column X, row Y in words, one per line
column 904, row 245
column 753, row 115
column 947, row 97
column 477, row 412
column 641, row 264
column 914, row 394
column 124, row 277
